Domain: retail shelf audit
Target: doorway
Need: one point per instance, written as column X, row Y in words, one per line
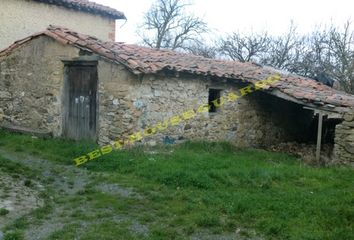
column 80, row 101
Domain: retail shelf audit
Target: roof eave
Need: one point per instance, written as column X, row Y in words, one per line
column 105, row 12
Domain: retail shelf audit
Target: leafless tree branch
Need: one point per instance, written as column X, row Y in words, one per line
column 167, row 25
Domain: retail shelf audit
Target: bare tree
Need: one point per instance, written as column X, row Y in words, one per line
column 203, row 50
column 314, row 57
column 244, row 48
column 281, row 51
column 328, row 57
column 325, row 55
column 167, row 25
column 341, row 59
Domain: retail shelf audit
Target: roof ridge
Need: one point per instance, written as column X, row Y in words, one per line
column 87, row 6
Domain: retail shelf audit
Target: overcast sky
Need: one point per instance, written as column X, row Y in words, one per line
column 225, row 16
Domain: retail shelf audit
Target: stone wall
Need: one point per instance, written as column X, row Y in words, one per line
column 344, row 141
column 117, row 115
column 130, row 104
column 22, row 18
column 31, row 83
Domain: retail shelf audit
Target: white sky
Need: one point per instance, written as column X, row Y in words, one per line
column 226, row 16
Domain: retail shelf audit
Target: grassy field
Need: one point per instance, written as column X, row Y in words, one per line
column 188, row 191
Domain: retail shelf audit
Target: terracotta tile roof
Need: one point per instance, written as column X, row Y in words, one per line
column 87, row 6
column 146, row 60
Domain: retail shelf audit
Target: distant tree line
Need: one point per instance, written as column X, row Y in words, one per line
column 326, row 55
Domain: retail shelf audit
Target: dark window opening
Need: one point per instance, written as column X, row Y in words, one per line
column 214, row 94
column 328, row 129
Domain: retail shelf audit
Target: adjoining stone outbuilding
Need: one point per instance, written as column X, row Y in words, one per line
column 76, row 86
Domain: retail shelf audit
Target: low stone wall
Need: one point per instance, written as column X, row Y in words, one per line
column 344, row 141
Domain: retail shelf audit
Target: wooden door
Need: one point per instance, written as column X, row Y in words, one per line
column 80, row 119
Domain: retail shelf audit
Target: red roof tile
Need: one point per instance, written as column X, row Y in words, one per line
column 87, row 6
column 146, row 60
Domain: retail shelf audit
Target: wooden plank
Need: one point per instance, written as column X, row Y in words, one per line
column 319, row 137
column 279, row 94
column 324, row 111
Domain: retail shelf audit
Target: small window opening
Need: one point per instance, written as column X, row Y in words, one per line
column 214, row 94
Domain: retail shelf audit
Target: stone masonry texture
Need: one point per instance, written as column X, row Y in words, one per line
column 344, row 141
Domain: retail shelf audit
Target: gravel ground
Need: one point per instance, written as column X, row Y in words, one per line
column 17, row 198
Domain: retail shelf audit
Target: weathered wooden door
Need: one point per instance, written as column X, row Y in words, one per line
column 80, row 119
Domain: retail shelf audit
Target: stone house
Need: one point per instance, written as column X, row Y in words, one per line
column 21, row 18
column 77, row 86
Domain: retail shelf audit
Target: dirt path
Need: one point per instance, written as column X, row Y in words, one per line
column 65, row 178
column 66, row 204
column 17, row 197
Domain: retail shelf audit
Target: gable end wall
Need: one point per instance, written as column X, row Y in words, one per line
column 31, row 85
column 22, row 18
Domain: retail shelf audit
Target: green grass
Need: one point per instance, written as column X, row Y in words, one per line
column 218, row 187
column 58, row 150
column 13, row 236
column 194, row 187
column 15, row 169
column 3, row 211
